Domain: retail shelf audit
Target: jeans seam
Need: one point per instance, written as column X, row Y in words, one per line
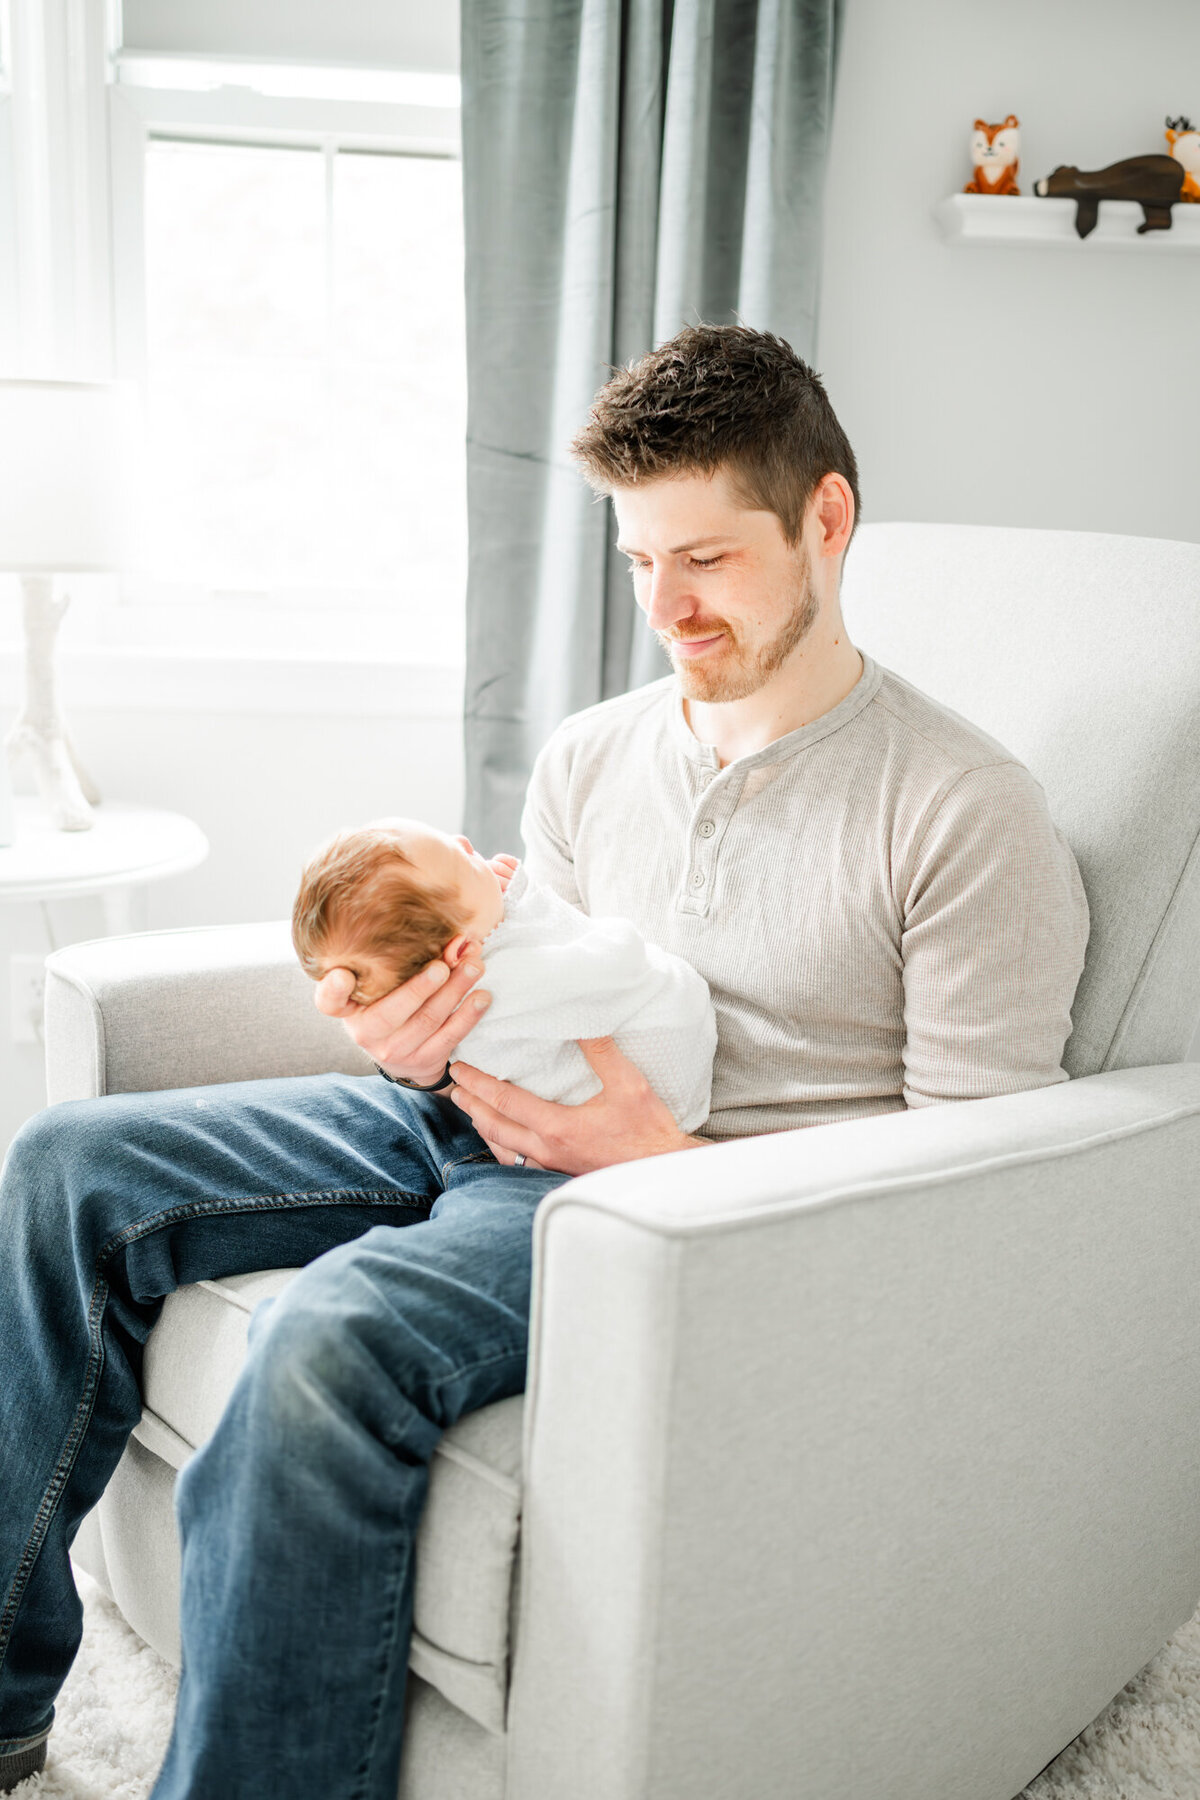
column 62, row 1469
column 192, row 1209
column 406, row 1546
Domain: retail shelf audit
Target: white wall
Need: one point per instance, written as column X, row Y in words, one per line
column 1009, row 386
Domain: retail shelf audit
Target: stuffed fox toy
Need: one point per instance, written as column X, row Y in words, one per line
column 994, row 153
column 1184, row 140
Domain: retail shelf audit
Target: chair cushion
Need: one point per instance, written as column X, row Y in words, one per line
column 1028, row 634
column 467, row 1542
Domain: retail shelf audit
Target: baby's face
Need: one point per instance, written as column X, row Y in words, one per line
column 442, row 860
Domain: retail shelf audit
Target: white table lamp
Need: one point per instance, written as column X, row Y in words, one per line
column 62, row 455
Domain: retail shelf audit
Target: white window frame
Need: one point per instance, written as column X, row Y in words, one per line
column 231, row 114
column 9, row 320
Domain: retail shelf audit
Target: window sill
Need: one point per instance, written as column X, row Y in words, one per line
column 155, row 680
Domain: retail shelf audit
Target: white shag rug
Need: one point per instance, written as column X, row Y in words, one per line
column 114, row 1714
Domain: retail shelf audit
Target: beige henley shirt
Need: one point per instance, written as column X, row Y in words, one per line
column 884, row 910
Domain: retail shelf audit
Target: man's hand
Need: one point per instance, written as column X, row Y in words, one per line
column 624, row 1121
column 414, row 1030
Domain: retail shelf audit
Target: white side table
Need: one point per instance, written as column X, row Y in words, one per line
column 127, row 847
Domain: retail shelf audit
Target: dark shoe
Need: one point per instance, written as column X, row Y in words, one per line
column 18, row 1765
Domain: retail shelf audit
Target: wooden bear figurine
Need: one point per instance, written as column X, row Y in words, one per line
column 1153, row 181
column 1184, row 140
column 994, row 152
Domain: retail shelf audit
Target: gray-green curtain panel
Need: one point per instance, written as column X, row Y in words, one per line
column 629, row 167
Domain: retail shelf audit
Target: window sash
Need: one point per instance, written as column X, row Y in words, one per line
column 235, row 116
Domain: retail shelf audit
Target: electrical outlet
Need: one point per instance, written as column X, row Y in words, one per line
column 27, row 996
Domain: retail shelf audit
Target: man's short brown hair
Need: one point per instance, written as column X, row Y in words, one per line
column 361, row 893
column 719, row 396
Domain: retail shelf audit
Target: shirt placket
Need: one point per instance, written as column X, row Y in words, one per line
column 711, row 813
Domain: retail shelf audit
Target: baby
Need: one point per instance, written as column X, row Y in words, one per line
column 389, row 898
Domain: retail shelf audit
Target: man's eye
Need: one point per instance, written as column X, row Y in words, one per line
column 698, row 562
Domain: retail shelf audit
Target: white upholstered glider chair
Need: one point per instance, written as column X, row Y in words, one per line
column 858, row 1461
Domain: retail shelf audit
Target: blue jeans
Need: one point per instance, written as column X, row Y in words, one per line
column 298, row 1517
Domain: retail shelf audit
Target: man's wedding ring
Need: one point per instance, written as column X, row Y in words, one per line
column 518, row 1161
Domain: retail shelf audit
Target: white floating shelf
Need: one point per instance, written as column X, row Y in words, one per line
column 1027, row 219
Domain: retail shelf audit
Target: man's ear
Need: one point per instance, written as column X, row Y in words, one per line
column 835, row 512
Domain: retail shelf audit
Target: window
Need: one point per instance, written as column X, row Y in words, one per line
column 298, row 327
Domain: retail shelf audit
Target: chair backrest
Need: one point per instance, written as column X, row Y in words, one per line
column 1080, row 652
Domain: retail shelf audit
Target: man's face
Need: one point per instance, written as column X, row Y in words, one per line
column 709, row 573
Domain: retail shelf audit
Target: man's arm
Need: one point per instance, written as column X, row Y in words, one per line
column 994, row 934
column 549, row 858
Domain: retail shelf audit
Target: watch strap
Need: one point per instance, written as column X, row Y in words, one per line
column 429, row 1087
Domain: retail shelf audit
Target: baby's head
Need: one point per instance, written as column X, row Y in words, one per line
column 387, row 899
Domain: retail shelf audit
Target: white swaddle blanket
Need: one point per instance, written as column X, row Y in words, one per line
column 556, row 975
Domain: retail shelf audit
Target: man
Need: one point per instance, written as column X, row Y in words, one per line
column 886, row 916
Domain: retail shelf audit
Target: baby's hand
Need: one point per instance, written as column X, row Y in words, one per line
column 504, row 866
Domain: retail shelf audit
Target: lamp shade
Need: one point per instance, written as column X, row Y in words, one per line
column 63, row 455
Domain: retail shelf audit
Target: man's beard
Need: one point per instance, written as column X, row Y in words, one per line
column 732, row 672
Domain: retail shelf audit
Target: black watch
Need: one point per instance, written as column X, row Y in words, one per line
column 430, row 1087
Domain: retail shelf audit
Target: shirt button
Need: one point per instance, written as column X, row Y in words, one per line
column 707, row 775
column 707, row 828
column 698, row 878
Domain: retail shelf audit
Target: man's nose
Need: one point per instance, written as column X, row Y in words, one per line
column 666, row 598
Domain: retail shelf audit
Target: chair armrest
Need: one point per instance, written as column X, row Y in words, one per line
column 163, row 1009
column 865, row 1458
